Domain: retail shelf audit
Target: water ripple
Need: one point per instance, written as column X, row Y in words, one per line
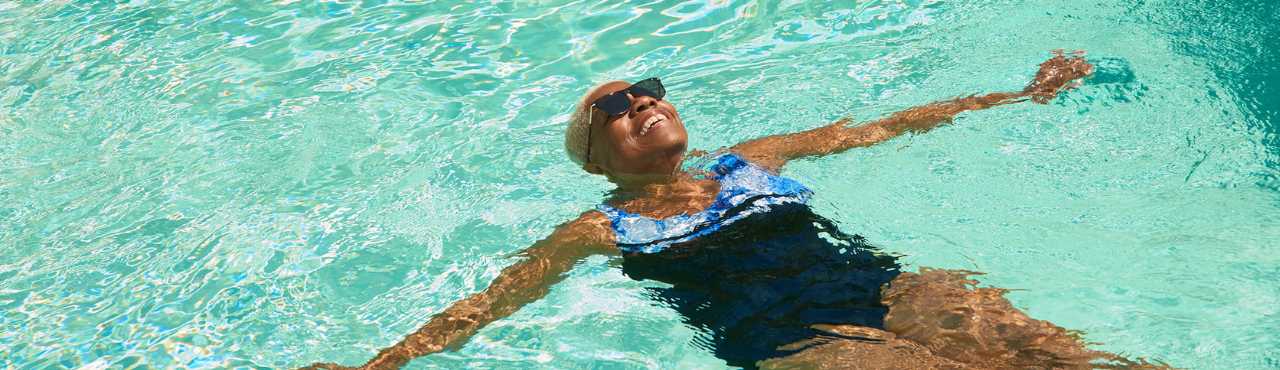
column 208, row 184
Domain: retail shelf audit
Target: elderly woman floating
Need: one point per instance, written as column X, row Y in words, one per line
column 769, row 282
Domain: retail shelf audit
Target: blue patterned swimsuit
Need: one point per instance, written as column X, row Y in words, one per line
column 745, row 189
column 756, row 268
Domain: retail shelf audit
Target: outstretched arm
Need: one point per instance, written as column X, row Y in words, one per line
column 774, row 151
column 526, row 281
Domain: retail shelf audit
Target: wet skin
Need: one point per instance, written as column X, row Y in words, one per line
column 644, row 164
column 624, row 150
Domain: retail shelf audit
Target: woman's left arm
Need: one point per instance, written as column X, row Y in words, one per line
column 547, row 262
column 774, row 151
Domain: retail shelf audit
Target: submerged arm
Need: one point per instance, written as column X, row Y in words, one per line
column 774, row 151
column 545, row 264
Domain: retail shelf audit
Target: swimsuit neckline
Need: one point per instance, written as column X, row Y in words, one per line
column 720, row 189
column 745, row 189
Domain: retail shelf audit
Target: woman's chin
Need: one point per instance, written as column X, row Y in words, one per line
column 667, row 138
column 670, row 147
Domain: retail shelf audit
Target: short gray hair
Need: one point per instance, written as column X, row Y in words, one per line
column 575, row 136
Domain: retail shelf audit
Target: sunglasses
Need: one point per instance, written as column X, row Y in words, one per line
column 618, row 103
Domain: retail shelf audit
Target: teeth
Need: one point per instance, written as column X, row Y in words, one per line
column 651, row 121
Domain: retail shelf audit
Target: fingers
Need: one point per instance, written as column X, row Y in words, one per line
column 1074, row 62
column 1063, row 52
column 1088, row 67
column 1059, row 73
column 1062, row 55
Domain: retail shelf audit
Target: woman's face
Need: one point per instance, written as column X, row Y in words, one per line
column 647, row 139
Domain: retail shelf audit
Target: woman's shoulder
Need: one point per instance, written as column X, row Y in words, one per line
column 716, row 163
column 590, row 229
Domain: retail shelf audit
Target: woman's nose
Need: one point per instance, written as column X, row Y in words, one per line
column 642, row 103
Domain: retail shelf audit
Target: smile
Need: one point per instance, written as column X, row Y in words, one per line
column 654, row 121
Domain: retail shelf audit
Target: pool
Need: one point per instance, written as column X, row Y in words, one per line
column 209, row 184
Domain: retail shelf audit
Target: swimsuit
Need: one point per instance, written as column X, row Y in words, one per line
column 745, row 189
column 756, row 268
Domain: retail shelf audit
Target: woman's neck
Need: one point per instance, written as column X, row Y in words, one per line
column 631, row 186
column 681, row 193
column 660, row 172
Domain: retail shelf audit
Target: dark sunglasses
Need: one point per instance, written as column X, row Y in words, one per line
column 618, row 102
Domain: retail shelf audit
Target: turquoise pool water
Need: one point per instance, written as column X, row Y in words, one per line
column 210, row 184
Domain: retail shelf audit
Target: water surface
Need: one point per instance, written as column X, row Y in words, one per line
column 219, row 184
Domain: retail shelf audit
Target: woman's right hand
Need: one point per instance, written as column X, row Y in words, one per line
column 1056, row 74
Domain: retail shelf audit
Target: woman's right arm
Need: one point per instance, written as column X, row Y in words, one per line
column 545, row 264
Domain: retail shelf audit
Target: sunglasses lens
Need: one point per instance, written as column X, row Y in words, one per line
column 651, row 87
column 613, row 104
column 640, row 91
column 617, row 103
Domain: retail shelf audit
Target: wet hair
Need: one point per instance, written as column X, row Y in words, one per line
column 575, row 135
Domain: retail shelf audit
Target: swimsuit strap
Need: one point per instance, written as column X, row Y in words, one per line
column 745, row 189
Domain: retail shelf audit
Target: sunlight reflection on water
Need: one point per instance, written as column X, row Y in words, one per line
column 209, row 184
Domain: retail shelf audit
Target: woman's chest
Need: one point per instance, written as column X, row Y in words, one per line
column 671, row 200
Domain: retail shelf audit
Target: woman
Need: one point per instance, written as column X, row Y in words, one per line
column 770, row 283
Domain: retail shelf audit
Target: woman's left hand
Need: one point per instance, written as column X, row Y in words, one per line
column 1057, row 74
